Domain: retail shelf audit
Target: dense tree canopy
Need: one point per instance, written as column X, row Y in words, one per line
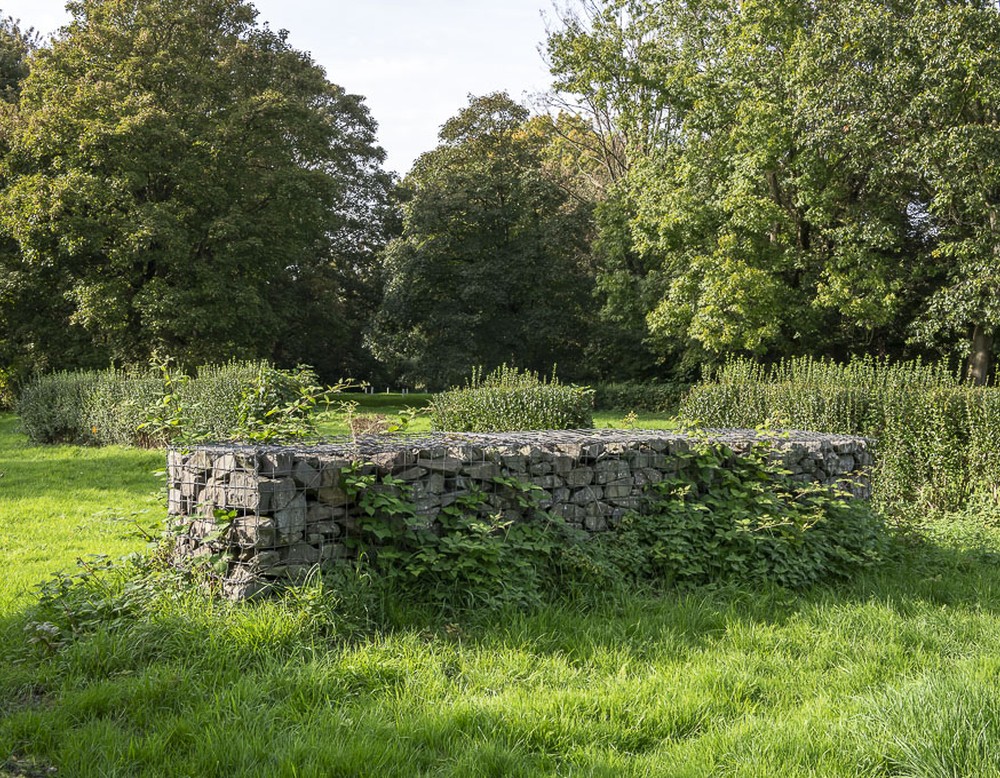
column 765, row 176
column 490, row 266
column 180, row 179
column 801, row 177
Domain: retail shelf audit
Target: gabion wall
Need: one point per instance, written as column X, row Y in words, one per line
column 269, row 513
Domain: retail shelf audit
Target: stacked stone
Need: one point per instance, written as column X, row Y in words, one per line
column 274, row 512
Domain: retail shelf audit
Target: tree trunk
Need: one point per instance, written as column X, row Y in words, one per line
column 980, row 356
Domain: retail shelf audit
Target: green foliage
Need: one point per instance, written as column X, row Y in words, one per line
column 51, row 407
column 510, row 399
column 936, row 445
column 740, row 518
column 379, row 401
column 891, row 672
column 469, row 555
column 638, row 396
column 8, row 393
column 252, row 401
column 16, row 45
column 725, row 518
column 491, row 263
column 117, row 407
column 792, row 177
column 244, row 400
column 181, row 180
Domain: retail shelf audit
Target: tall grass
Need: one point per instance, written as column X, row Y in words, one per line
column 138, row 672
column 890, row 674
column 936, row 439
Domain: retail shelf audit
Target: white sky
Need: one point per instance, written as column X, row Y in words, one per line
column 415, row 61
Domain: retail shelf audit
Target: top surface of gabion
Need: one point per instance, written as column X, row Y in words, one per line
column 506, row 441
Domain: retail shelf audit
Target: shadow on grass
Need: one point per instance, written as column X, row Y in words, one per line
column 610, row 683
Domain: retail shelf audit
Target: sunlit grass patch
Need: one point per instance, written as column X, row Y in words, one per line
column 892, row 672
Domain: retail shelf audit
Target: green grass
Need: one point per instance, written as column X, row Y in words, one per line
column 893, row 674
column 59, row 503
column 392, row 405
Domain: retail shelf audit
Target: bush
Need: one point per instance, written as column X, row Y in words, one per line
column 378, row 400
column 251, row 400
column 8, row 394
column 724, row 518
column 740, row 519
column 118, row 405
column 51, row 407
column 936, row 438
column 509, row 399
column 469, row 556
column 636, row 396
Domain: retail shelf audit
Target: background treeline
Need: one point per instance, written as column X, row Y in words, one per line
column 707, row 177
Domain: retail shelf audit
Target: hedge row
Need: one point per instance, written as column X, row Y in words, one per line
column 151, row 407
column 636, row 396
column 508, row 399
column 936, row 438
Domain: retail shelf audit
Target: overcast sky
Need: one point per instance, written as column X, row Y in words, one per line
column 415, row 61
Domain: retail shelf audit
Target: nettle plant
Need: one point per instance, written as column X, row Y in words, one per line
column 469, row 554
column 250, row 401
column 729, row 517
column 726, row 517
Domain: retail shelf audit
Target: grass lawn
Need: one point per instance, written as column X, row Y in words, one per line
column 60, row 503
column 894, row 673
column 392, row 405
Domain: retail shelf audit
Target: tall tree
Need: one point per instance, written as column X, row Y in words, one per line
column 488, row 268
column 824, row 182
column 183, row 180
column 624, row 67
column 777, row 229
column 20, row 313
column 953, row 122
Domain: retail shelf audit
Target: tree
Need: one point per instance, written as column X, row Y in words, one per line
column 19, row 312
column 489, row 266
column 953, row 125
column 623, row 66
column 821, row 179
column 779, row 220
column 181, row 180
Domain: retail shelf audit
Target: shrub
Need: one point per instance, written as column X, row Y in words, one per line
column 509, row 399
column 469, row 555
column 8, row 395
column 637, row 396
column 116, row 407
column 741, row 519
column 51, row 406
column 252, row 400
column 724, row 518
column 936, row 438
column 379, row 401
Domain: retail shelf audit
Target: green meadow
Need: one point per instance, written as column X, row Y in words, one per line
column 133, row 672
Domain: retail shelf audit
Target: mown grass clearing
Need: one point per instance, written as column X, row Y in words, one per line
column 395, row 405
column 62, row 502
column 894, row 673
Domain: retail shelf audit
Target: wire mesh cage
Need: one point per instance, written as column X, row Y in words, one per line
column 261, row 513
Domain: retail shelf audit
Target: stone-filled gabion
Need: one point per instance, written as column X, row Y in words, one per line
column 286, row 507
